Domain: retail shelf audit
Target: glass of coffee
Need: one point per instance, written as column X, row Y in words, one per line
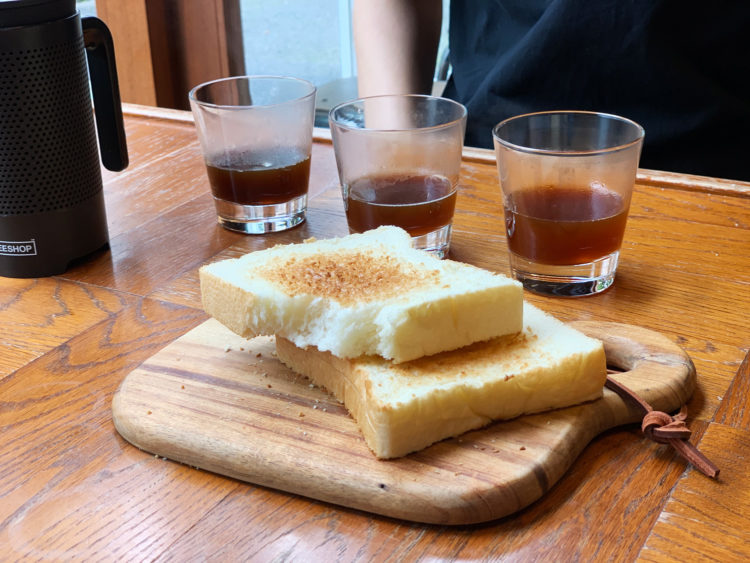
column 399, row 159
column 566, row 178
column 256, row 136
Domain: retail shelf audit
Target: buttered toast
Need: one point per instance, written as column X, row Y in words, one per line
column 402, row 408
column 363, row 294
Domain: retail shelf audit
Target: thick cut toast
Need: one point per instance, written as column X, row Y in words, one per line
column 369, row 293
column 406, row 407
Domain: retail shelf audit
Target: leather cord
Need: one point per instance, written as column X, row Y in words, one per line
column 665, row 429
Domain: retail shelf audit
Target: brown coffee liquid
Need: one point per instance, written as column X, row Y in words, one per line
column 418, row 204
column 261, row 177
column 564, row 225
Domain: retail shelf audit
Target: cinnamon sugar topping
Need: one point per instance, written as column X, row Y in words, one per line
column 348, row 277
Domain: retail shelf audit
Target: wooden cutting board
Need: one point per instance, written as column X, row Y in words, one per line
column 225, row 404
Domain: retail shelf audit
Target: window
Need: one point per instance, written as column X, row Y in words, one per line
column 166, row 47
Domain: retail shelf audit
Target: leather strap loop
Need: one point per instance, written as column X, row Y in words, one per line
column 665, row 429
column 660, row 427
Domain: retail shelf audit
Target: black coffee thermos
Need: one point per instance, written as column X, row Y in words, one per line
column 51, row 200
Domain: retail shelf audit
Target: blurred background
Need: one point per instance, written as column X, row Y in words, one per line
column 165, row 47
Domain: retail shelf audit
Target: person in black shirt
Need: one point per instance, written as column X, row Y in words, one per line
column 680, row 69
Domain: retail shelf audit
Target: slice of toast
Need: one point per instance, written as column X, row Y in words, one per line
column 406, row 407
column 369, row 293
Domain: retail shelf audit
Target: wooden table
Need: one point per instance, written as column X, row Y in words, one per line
column 71, row 488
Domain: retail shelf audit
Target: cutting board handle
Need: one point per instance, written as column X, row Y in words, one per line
column 657, row 369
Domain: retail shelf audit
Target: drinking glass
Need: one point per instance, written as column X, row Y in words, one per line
column 256, row 136
column 399, row 159
column 567, row 179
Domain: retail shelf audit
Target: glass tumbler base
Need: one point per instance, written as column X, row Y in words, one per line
column 578, row 280
column 261, row 219
column 436, row 242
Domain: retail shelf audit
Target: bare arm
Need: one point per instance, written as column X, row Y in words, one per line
column 396, row 44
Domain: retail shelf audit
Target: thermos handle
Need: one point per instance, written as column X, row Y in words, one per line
column 100, row 53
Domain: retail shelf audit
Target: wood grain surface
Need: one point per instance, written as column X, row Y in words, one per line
column 71, row 488
column 219, row 402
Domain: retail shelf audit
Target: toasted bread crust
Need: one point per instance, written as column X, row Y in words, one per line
column 402, row 408
column 370, row 293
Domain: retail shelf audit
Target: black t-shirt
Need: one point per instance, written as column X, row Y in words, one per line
column 679, row 68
